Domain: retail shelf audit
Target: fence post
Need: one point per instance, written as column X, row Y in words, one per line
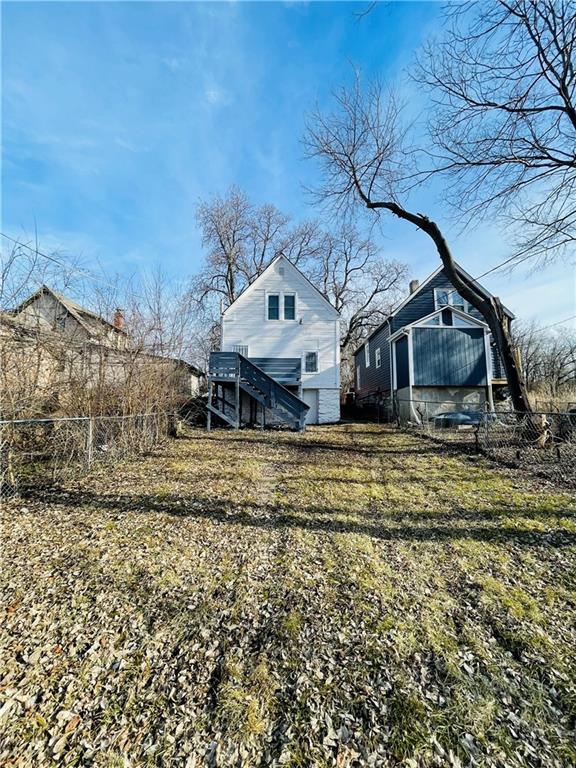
column 90, row 442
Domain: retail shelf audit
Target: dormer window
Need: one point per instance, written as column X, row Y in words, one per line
column 445, row 297
column 273, row 306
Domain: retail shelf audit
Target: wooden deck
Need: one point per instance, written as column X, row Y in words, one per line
column 230, row 374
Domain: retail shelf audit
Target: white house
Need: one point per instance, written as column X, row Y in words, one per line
column 286, row 328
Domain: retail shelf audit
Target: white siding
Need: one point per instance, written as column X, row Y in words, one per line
column 316, row 328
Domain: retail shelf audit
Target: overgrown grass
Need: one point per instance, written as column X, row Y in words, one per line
column 351, row 596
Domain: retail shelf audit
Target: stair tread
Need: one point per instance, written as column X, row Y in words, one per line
column 267, row 391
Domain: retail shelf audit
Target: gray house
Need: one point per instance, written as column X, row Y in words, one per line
column 433, row 348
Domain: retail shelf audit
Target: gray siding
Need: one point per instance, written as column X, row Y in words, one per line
column 286, row 370
column 450, row 357
column 402, row 364
column 422, row 303
column 373, row 379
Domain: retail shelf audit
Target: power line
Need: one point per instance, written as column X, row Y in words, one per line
column 95, row 278
column 59, row 262
column 69, row 267
column 559, row 322
column 494, row 269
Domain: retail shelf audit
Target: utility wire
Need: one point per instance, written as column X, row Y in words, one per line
column 59, row 262
column 68, row 266
column 91, row 276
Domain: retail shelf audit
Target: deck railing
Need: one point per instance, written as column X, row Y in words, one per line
column 232, row 365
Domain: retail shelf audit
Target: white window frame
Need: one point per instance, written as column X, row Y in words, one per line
column 281, row 309
column 267, row 309
column 367, row 354
column 289, row 319
column 378, row 357
column 311, row 352
column 450, row 292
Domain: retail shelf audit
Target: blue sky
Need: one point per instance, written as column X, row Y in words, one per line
column 118, row 117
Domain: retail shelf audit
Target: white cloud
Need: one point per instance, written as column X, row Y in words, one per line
column 217, row 96
column 175, row 63
column 129, row 146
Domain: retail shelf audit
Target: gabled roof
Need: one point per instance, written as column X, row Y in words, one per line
column 422, row 321
column 89, row 320
column 249, row 288
column 402, row 303
column 437, row 271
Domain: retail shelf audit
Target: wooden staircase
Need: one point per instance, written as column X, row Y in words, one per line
column 230, row 374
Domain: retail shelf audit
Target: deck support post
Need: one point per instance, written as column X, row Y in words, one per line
column 209, row 416
column 230, row 372
column 238, row 403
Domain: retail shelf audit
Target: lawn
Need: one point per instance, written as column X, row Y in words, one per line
column 353, row 596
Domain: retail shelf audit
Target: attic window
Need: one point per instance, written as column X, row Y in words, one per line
column 289, row 306
column 273, row 306
column 60, row 324
column 281, row 270
column 445, row 297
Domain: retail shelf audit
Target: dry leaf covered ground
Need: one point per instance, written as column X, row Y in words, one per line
column 351, row 596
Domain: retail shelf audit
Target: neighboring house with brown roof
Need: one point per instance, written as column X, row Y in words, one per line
column 58, row 356
column 49, row 310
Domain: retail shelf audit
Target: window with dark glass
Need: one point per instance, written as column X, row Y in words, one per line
column 449, row 298
column 273, row 306
column 289, row 306
column 311, row 362
column 442, row 297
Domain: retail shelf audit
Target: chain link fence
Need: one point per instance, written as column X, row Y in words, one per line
column 40, row 452
column 543, row 443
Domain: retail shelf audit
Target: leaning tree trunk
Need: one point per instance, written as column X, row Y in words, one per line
column 491, row 309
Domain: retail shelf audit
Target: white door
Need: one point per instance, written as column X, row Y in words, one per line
column 310, row 397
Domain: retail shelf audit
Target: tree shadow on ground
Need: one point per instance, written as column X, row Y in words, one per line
column 397, row 526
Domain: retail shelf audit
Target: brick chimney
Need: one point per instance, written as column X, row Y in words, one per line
column 118, row 321
column 414, row 285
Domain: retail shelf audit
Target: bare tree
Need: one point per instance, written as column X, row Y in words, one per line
column 241, row 240
column 225, row 226
column 24, row 268
column 365, row 160
column 347, row 266
column 503, row 82
column 548, row 359
column 48, row 368
column 358, row 281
